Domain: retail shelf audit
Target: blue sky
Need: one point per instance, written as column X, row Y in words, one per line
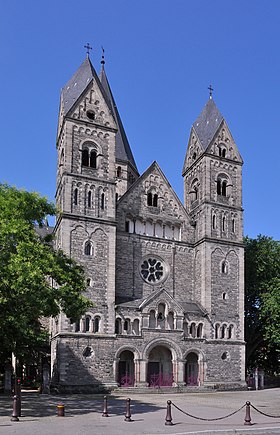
column 161, row 56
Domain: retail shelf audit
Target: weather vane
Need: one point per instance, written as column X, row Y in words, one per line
column 103, row 59
column 88, row 47
column 210, row 91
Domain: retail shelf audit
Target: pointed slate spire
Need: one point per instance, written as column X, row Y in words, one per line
column 123, row 150
column 208, row 123
column 78, row 83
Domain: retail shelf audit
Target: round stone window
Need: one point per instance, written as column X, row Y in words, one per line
column 153, row 270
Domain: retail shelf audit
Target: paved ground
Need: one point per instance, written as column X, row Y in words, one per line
column 83, row 414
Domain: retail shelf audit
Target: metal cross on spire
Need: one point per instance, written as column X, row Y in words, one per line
column 210, row 91
column 88, row 47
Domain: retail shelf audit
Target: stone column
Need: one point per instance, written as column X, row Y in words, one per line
column 136, row 372
column 115, row 369
column 180, row 372
column 143, row 373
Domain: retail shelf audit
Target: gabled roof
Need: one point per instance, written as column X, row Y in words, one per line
column 77, row 84
column 187, row 307
column 150, row 169
column 208, row 123
column 123, row 150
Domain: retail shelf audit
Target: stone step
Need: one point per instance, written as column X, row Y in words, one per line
column 160, row 390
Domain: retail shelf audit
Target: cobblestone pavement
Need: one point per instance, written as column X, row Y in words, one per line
column 83, row 414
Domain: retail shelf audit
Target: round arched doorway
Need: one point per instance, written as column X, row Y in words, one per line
column 192, row 370
column 160, row 369
column 126, row 375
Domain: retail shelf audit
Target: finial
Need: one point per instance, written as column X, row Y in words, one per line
column 210, row 91
column 88, row 47
column 103, row 59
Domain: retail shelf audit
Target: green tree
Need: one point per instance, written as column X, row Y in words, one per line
column 35, row 279
column 262, row 302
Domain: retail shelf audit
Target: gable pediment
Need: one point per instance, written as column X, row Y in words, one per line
column 151, row 196
column 223, row 144
column 92, row 107
column 160, row 296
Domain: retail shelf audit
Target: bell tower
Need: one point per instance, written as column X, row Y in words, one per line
column 213, row 198
column 86, row 188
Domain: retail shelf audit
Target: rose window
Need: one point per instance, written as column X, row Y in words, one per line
column 152, row 270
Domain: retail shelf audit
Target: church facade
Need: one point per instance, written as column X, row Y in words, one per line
column 166, row 278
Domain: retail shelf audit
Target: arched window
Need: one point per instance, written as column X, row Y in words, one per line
column 89, row 199
column 126, row 326
column 224, row 188
column 150, row 199
column 102, row 203
column 223, row 331
column 224, row 152
column 119, row 171
column 224, row 224
column 93, row 159
column 152, row 319
column 214, row 222
column 88, row 248
column 155, row 200
column 224, row 267
column 118, row 326
column 135, row 327
column 217, row 329
column 85, row 157
column 96, row 324
column 219, row 187
column 233, row 225
column 75, row 199
column 87, row 323
column 230, row 332
column 170, row 320
column 193, row 330
column 199, row 330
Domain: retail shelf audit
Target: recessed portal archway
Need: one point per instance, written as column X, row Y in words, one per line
column 192, row 370
column 126, row 375
column 160, row 370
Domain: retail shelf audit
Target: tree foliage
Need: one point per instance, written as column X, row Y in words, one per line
column 262, row 302
column 35, row 280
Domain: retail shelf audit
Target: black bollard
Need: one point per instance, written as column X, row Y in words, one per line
column 60, row 410
column 15, row 409
column 128, row 413
column 247, row 421
column 18, row 394
column 168, row 418
column 105, row 407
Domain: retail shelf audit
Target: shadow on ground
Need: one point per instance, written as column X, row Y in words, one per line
column 39, row 405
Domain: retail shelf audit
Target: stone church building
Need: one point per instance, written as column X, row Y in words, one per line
column 166, row 278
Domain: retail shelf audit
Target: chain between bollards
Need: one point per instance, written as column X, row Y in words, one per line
column 128, row 413
column 105, row 407
column 247, row 421
column 168, row 418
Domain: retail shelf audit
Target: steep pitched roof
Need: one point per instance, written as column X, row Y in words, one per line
column 77, row 84
column 208, row 123
column 123, row 150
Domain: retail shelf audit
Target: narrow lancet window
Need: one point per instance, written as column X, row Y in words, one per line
column 93, row 159
column 85, row 157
